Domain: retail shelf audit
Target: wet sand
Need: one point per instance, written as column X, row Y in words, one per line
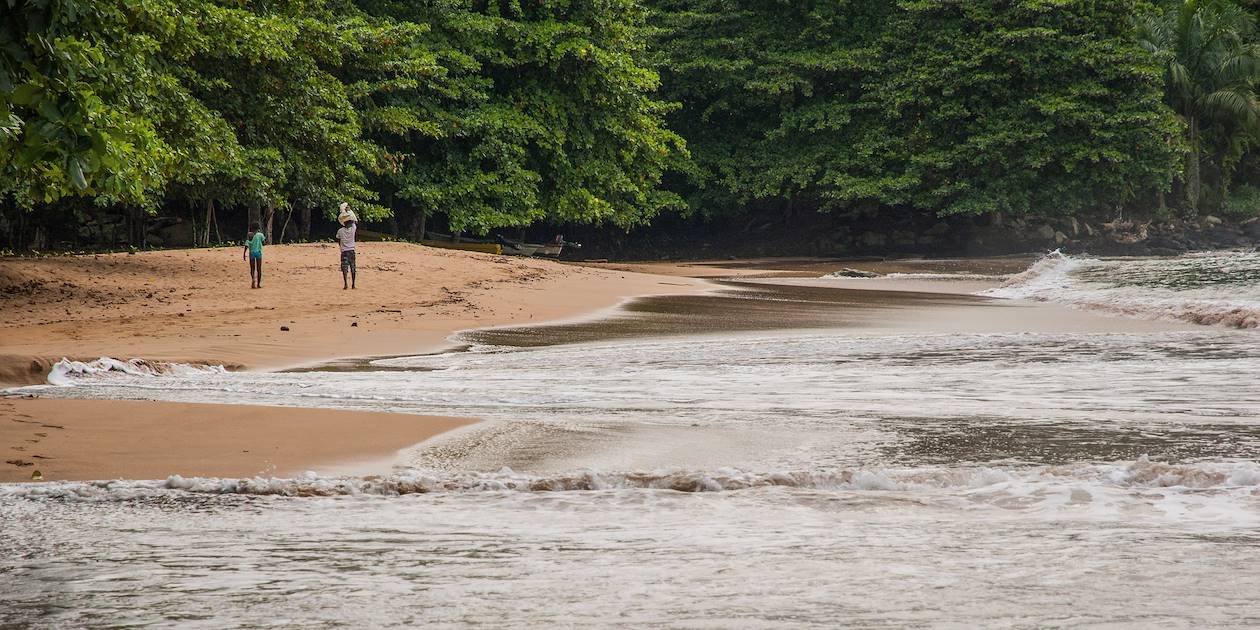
column 815, row 267
column 68, row 440
column 769, row 304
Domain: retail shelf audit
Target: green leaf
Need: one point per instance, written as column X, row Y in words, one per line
column 25, row 94
column 48, row 109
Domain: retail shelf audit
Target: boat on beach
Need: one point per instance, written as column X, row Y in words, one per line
column 498, row 245
column 485, row 248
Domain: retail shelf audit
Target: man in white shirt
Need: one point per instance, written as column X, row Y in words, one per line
column 345, row 238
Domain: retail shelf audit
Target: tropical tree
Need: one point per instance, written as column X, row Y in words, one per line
column 68, row 124
column 937, row 107
column 535, row 111
column 1212, row 67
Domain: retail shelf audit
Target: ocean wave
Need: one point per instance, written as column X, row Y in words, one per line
column 1216, row 290
column 846, row 274
column 1048, row 273
column 66, row 372
column 1142, row 474
column 946, row 276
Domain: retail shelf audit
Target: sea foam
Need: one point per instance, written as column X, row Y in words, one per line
column 1140, row 475
column 67, row 372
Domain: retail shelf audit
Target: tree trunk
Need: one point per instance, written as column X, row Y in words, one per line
column 1193, row 182
column 211, row 220
column 269, row 214
column 416, row 233
column 285, row 228
column 1226, row 160
column 192, row 216
column 135, row 226
column 788, row 212
column 254, row 215
column 305, row 231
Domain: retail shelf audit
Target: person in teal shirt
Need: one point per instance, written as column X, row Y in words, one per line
column 253, row 248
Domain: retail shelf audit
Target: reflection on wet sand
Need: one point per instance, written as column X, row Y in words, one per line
column 739, row 306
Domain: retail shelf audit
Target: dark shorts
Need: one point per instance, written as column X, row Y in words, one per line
column 347, row 261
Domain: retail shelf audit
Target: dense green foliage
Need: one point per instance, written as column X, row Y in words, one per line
column 69, row 122
column 545, row 115
column 490, row 113
column 948, row 107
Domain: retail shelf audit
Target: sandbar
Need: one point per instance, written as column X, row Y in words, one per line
column 75, row 440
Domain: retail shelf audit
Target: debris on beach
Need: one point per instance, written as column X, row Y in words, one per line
column 852, row 273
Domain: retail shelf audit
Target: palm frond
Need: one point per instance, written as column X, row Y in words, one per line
column 1231, row 104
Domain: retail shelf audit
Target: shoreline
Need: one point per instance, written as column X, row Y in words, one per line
column 546, row 301
column 189, row 306
column 157, row 306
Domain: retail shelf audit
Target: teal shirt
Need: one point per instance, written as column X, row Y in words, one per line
column 255, row 244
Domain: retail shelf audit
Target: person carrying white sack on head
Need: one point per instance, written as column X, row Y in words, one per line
column 345, row 238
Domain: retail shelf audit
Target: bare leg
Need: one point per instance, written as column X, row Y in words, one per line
column 259, row 273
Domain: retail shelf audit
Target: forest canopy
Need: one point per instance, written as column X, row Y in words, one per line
column 486, row 114
column 491, row 114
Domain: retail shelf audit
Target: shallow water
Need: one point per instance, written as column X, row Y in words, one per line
column 858, row 469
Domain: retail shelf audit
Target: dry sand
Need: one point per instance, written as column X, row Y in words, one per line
column 195, row 306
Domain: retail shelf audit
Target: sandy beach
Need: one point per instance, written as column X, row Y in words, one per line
column 195, row 306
